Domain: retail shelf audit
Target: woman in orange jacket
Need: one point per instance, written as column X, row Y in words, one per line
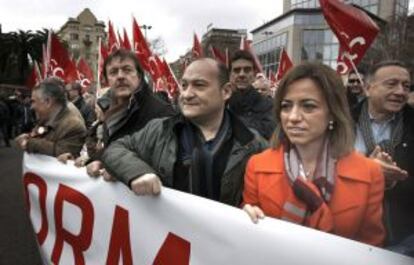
column 311, row 175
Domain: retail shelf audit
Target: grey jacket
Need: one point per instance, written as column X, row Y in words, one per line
column 154, row 150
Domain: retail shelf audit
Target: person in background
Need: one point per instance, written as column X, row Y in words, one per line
column 312, row 176
column 254, row 109
column 355, row 87
column 74, row 94
column 385, row 132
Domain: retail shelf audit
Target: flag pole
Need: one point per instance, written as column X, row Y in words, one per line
column 348, row 56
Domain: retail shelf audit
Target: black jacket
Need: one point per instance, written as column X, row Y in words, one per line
column 399, row 201
column 254, row 109
column 88, row 114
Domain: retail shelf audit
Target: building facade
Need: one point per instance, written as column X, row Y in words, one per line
column 222, row 39
column 304, row 33
column 82, row 35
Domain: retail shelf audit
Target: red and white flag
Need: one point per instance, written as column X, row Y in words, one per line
column 197, row 50
column 217, row 55
column 285, row 63
column 85, row 74
column 113, row 43
column 60, row 64
column 354, row 29
column 126, row 44
column 141, row 48
column 245, row 45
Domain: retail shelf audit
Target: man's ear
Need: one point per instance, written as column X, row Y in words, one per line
column 227, row 90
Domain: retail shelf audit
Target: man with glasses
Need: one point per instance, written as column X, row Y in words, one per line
column 254, row 109
column 385, row 131
column 354, row 86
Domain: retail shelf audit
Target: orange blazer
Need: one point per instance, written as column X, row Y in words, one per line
column 356, row 203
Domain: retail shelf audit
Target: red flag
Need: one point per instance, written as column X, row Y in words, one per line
column 284, row 64
column 60, row 64
column 272, row 78
column 85, row 74
column 172, row 83
column 103, row 54
column 354, row 29
column 245, row 45
column 141, row 47
column 34, row 77
column 197, row 50
column 113, row 43
column 217, row 55
column 126, row 44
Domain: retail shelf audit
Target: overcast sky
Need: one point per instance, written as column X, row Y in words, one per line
column 175, row 21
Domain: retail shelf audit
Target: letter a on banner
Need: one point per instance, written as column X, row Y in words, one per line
column 174, row 251
column 120, row 240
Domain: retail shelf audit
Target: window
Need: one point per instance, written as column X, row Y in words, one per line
column 268, row 51
column 74, row 36
column 320, row 45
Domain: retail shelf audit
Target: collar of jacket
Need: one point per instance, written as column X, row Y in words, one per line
column 240, row 132
column 348, row 166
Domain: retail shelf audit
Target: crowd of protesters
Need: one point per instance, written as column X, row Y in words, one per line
column 311, row 149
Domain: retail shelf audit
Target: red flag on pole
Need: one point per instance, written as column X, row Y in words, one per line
column 197, row 50
column 126, row 44
column 217, row 55
column 141, row 47
column 245, row 45
column 85, row 74
column 354, row 29
column 60, row 64
column 285, row 63
column 113, row 43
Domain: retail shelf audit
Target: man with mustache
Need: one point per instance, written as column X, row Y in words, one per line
column 129, row 104
column 385, row 131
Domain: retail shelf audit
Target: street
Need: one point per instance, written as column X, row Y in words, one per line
column 17, row 240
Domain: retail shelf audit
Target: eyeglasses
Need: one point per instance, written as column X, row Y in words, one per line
column 354, row 81
column 246, row 69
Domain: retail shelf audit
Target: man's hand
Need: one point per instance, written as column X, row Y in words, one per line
column 22, row 140
column 65, row 157
column 147, row 184
column 94, row 169
column 391, row 171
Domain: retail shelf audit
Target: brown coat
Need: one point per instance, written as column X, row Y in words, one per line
column 356, row 204
column 66, row 134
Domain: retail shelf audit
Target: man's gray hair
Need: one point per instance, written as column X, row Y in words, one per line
column 52, row 88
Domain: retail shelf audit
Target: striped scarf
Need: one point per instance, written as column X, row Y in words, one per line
column 310, row 193
column 387, row 146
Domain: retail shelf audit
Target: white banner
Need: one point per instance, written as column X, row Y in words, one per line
column 80, row 220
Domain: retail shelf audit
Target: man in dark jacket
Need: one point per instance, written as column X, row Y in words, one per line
column 74, row 93
column 130, row 104
column 203, row 150
column 385, row 131
column 254, row 109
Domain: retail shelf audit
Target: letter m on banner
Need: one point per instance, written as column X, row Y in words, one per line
column 354, row 29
